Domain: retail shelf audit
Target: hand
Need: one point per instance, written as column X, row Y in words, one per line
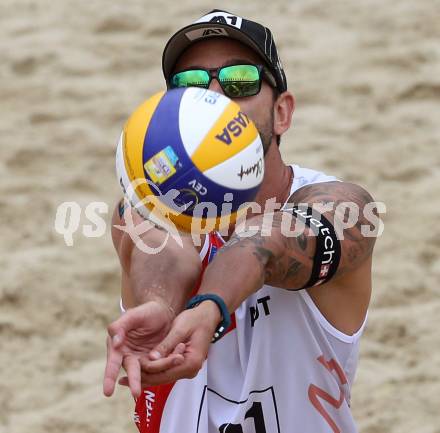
column 132, row 337
column 192, row 330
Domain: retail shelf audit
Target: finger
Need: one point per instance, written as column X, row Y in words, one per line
column 118, row 338
column 132, row 367
column 183, row 371
column 161, row 378
column 180, row 349
column 133, row 318
column 176, row 336
column 196, row 351
column 162, row 364
column 113, row 365
column 189, row 368
column 168, row 361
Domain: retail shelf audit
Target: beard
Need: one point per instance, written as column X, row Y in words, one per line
column 266, row 131
column 266, row 138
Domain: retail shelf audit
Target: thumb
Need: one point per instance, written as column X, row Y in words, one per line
column 175, row 337
column 131, row 319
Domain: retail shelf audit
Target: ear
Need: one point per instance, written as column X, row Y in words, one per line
column 283, row 110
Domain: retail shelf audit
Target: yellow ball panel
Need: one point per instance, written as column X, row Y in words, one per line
column 134, row 135
column 163, row 215
column 231, row 133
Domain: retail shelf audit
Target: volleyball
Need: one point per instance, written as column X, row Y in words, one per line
column 190, row 156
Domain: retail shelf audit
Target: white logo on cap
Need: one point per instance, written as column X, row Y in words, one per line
column 221, row 18
column 217, row 18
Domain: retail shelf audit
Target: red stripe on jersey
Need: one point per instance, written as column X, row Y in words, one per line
column 217, row 242
column 233, row 324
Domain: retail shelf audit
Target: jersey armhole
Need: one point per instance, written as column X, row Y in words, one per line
column 350, row 339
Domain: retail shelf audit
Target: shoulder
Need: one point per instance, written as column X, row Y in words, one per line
column 331, row 191
column 312, row 186
column 305, row 176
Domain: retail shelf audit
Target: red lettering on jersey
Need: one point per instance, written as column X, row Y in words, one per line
column 316, row 393
column 332, row 365
column 150, row 406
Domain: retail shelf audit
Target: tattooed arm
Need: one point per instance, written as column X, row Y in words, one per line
column 257, row 257
column 263, row 254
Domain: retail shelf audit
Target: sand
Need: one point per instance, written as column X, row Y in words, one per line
column 366, row 76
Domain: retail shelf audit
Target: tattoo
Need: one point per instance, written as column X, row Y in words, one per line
column 263, row 254
column 121, row 207
column 234, row 240
column 355, row 246
column 302, row 241
column 293, row 267
column 287, row 261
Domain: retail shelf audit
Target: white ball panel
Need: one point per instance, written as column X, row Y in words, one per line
column 209, row 105
column 242, row 171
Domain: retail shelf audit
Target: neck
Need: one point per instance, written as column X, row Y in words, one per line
column 278, row 178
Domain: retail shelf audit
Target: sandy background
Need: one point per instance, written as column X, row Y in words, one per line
column 367, row 80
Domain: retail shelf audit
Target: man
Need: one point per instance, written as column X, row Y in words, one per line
column 283, row 360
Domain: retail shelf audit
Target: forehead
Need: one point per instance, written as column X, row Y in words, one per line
column 215, row 52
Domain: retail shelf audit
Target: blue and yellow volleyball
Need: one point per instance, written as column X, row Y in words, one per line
column 190, row 156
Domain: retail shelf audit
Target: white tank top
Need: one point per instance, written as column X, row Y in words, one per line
column 281, row 368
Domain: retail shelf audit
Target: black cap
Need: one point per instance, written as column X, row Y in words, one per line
column 218, row 23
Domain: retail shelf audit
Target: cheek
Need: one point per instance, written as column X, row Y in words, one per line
column 260, row 109
column 263, row 119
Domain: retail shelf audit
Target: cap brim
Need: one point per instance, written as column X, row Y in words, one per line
column 179, row 42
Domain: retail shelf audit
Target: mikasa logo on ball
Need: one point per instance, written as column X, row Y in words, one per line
column 234, row 127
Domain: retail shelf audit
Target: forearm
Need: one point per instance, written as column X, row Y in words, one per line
column 158, row 267
column 169, row 275
column 234, row 284
column 244, row 264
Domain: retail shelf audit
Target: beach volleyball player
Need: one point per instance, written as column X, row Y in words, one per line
column 285, row 312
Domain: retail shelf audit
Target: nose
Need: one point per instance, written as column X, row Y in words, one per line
column 215, row 86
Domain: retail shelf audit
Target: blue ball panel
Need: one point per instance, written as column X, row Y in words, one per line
column 163, row 149
column 194, row 186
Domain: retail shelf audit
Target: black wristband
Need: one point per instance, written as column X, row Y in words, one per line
column 226, row 317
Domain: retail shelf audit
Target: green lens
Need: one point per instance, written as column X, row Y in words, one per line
column 240, row 80
column 193, row 78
